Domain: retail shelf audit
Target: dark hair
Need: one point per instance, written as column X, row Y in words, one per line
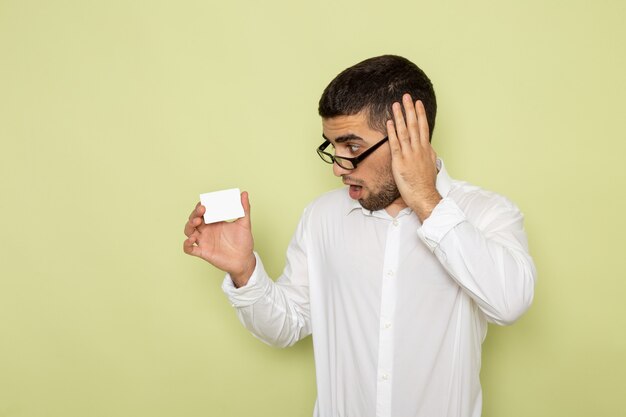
column 374, row 85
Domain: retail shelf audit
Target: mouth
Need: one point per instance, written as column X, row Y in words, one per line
column 355, row 191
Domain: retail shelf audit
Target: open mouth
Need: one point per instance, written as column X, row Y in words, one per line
column 355, row 191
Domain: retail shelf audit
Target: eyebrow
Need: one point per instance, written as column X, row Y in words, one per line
column 345, row 138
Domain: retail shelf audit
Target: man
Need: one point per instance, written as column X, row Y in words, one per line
column 395, row 275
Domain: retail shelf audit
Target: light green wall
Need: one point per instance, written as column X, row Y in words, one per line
column 115, row 115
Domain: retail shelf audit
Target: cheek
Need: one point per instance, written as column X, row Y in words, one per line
column 383, row 162
column 383, row 170
column 376, row 177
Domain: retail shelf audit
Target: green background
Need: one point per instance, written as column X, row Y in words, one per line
column 115, row 115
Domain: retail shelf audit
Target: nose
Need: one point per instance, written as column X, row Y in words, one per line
column 339, row 171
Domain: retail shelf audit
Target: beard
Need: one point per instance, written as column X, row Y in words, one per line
column 387, row 192
column 378, row 201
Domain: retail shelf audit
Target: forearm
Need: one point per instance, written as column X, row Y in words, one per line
column 274, row 313
column 493, row 267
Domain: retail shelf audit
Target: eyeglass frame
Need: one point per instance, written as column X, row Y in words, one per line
column 354, row 161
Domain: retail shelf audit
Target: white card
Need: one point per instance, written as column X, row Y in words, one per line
column 222, row 205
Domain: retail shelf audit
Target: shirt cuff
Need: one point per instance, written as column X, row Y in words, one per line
column 444, row 217
column 256, row 287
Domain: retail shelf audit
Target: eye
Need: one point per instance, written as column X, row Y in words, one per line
column 354, row 148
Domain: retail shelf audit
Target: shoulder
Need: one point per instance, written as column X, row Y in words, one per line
column 327, row 209
column 468, row 194
column 332, row 202
column 482, row 206
column 323, row 212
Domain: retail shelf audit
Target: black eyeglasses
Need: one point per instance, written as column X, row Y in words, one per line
column 343, row 162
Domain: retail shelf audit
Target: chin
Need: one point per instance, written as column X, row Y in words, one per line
column 368, row 206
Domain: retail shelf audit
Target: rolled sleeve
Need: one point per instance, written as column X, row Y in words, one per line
column 445, row 216
column 256, row 287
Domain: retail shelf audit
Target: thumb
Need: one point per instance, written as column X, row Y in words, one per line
column 245, row 202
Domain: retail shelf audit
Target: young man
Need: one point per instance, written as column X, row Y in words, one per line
column 395, row 275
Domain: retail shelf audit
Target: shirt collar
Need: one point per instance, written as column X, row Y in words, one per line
column 444, row 182
column 443, row 185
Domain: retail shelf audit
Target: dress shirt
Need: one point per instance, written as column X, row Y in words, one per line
column 398, row 309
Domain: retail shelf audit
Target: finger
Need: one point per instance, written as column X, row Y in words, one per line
column 198, row 211
column 245, row 202
column 422, row 121
column 394, row 144
column 195, row 219
column 192, row 225
column 411, row 119
column 189, row 248
column 401, row 131
column 193, row 212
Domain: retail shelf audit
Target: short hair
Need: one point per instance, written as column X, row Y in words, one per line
column 374, row 85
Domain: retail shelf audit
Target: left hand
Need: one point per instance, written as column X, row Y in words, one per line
column 413, row 160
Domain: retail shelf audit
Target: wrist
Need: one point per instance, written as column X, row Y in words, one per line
column 425, row 205
column 240, row 278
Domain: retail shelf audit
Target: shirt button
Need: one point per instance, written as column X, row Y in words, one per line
column 395, row 222
column 385, row 376
column 387, row 325
column 390, row 273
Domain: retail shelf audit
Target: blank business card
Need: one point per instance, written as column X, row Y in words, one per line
column 222, row 205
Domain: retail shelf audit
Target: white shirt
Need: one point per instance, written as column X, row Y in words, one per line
column 398, row 309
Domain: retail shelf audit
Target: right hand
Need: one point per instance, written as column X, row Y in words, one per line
column 226, row 245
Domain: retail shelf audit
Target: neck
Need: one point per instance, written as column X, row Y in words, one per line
column 394, row 208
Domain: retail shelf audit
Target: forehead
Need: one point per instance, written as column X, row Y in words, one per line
column 355, row 124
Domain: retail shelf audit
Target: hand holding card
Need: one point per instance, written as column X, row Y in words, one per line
column 228, row 246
